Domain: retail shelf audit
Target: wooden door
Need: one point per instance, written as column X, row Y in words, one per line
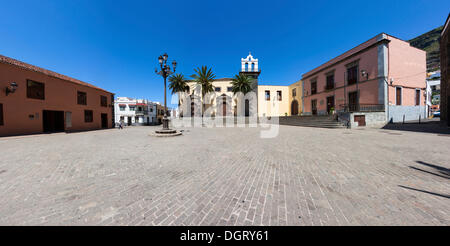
column 224, row 108
column 314, row 107
column 104, row 118
column 247, row 108
column 294, row 107
column 353, row 101
column 398, row 96
column 53, row 121
column 330, row 103
column 360, row 119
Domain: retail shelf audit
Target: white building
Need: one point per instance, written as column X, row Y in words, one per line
column 134, row 111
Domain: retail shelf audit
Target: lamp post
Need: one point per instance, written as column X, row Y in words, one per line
column 165, row 72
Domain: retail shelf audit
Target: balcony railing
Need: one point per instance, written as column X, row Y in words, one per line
column 328, row 87
column 141, row 112
column 361, row 107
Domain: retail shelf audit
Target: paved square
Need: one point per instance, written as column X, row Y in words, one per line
column 216, row 176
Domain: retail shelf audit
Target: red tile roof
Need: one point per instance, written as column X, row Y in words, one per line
column 23, row 65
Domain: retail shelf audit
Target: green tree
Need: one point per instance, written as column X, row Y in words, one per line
column 178, row 84
column 204, row 78
column 241, row 83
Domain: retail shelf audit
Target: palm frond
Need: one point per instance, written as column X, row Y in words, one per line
column 177, row 83
column 241, row 83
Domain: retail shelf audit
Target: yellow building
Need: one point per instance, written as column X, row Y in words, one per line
column 295, row 98
column 273, row 100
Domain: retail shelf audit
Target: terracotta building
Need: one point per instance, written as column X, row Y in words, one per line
column 445, row 73
column 36, row 100
column 381, row 80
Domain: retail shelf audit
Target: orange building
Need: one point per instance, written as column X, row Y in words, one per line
column 36, row 100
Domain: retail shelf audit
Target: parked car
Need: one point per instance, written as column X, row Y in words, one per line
column 437, row 113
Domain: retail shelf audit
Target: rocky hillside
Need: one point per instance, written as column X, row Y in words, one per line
column 430, row 43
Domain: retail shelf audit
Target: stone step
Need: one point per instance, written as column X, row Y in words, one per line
column 311, row 121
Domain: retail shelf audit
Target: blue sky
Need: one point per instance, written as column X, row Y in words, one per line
column 115, row 44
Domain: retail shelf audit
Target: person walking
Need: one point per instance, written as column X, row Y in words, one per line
column 121, row 124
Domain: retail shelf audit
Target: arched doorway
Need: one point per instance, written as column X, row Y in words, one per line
column 224, row 108
column 223, row 103
column 247, row 108
column 294, row 107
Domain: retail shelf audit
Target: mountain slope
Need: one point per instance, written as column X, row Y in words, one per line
column 430, row 43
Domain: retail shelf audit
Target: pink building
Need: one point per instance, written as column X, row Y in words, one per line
column 383, row 79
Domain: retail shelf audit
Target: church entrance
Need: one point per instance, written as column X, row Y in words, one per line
column 224, row 108
column 294, row 107
column 247, row 108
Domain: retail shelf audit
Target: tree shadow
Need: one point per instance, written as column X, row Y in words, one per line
column 424, row 191
column 442, row 170
column 418, row 169
column 425, row 127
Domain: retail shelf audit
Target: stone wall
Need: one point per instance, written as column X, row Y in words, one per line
column 373, row 119
column 396, row 113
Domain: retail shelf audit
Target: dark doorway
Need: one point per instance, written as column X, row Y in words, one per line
column 247, row 108
column 314, row 107
column 104, row 120
column 294, row 107
column 398, row 97
column 53, row 121
column 192, row 109
column 448, row 111
column 224, row 108
column 330, row 104
column 353, row 101
column 129, row 121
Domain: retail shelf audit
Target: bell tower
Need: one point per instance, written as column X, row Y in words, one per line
column 249, row 67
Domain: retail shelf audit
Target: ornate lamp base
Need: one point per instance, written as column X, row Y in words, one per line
column 165, row 122
column 166, row 131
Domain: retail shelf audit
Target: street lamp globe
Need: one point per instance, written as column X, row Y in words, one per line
column 174, row 65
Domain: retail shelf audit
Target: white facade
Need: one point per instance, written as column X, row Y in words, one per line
column 134, row 111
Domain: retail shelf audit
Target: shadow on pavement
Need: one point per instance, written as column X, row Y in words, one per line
column 442, row 170
column 424, row 191
column 418, row 169
column 426, row 127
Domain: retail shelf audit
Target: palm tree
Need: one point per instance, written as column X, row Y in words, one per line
column 241, row 83
column 204, row 78
column 177, row 85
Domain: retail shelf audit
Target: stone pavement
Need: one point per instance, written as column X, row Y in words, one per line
column 217, row 176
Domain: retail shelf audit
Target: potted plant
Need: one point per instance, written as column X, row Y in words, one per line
column 332, row 110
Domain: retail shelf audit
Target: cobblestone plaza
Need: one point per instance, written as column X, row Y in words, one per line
column 226, row 176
